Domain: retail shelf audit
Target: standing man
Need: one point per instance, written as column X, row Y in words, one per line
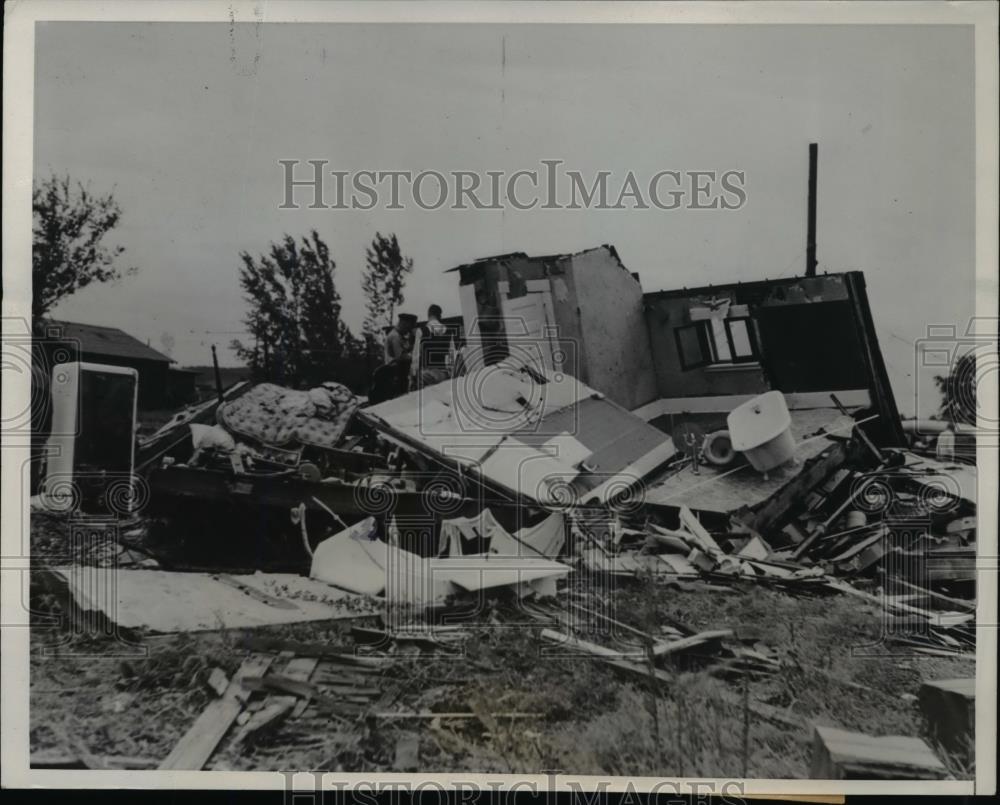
column 391, row 378
column 399, row 341
column 432, row 351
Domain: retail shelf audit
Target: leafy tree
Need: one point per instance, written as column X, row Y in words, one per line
column 68, row 251
column 294, row 314
column 958, row 389
column 382, row 282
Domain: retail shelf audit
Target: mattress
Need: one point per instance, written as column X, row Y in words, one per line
column 281, row 417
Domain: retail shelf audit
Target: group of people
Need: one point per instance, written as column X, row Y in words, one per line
column 415, row 355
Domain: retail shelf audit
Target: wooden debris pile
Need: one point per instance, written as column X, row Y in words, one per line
column 640, row 654
column 887, row 526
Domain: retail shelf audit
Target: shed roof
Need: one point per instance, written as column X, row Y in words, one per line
column 110, row 341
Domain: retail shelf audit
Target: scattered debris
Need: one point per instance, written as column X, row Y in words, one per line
column 193, row 751
column 217, row 681
column 507, row 486
column 357, row 561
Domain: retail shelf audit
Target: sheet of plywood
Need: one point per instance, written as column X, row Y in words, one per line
column 165, row 601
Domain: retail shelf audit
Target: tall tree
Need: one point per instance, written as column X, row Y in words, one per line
column 958, row 391
column 382, row 282
column 69, row 250
column 294, row 314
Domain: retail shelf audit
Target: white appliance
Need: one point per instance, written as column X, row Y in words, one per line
column 761, row 430
column 91, row 445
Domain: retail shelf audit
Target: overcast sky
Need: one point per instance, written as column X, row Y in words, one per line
column 187, row 121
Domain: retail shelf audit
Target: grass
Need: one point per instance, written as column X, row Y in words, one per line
column 590, row 719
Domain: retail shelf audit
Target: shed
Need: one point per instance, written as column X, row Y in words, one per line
column 63, row 341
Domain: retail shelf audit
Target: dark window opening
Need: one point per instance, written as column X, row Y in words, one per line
column 694, row 345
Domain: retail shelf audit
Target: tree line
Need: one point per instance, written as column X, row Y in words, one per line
column 297, row 336
column 295, row 332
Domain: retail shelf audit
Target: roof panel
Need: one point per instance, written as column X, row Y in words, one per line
column 110, row 341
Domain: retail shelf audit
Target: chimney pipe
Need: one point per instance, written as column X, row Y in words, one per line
column 218, row 376
column 811, row 225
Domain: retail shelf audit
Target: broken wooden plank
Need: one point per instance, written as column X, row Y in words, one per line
column 277, row 708
column 611, row 621
column 643, row 671
column 196, row 746
column 636, row 667
column 301, row 668
column 700, row 639
column 859, row 432
column 325, row 651
column 770, row 513
column 968, row 605
column 693, row 525
column 378, row 637
column 842, row 755
column 294, row 687
column 281, row 684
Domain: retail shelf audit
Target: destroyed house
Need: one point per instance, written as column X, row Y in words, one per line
column 581, row 314
column 808, row 337
column 676, row 354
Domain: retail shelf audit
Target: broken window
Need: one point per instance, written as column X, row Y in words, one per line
column 716, row 341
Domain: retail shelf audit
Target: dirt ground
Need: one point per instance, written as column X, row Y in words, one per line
column 108, row 695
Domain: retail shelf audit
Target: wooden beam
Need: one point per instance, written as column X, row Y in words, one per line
column 196, row 746
column 771, row 513
column 277, row 708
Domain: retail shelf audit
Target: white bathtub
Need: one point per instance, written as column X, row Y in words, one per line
column 761, row 429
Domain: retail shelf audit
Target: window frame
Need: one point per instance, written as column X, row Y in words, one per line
column 754, row 356
column 709, row 348
column 705, row 343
